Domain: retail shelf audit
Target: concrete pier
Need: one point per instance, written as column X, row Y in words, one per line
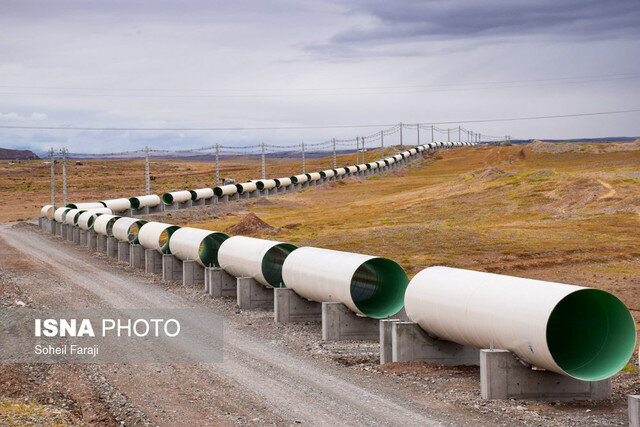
column 171, row 268
column 124, row 252
column 112, row 247
column 76, row 235
column 219, row 283
column 152, row 261
column 341, row 324
column 101, row 245
column 92, row 240
column 155, row 209
column 252, row 294
column 83, row 237
column 290, row 307
column 192, row 273
column 136, row 256
column 185, row 205
column 52, row 226
column 386, row 348
column 410, row 342
column 199, row 202
column 225, row 198
column 503, row 376
column 634, row 410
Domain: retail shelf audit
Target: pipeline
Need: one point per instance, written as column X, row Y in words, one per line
column 201, row 193
column 117, row 205
column 176, row 197
column 150, row 200
column 368, row 285
column 584, row 333
column 126, row 229
column 196, row 244
column 156, row 235
column 88, row 205
column 249, row 257
column 60, row 213
column 103, row 224
column 282, row 182
column 47, row 211
column 246, row 187
column 266, row 184
column 299, row 179
column 86, row 220
column 225, row 190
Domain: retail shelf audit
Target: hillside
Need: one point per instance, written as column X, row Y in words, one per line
column 9, row 154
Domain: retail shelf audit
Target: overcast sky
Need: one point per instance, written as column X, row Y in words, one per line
column 296, row 63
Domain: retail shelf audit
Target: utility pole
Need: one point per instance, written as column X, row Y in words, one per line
column 264, row 175
column 303, row 163
column 432, row 133
column 381, row 145
column 363, row 149
column 333, row 141
column 418, row 129
column 217, row 164
column 64, row 177
column 147, row 180
column 401, row 145
column 53, row 181
column 448, row 135
column 479, row 137
column 357, row 150
column 459, row 132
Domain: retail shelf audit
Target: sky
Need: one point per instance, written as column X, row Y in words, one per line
column 251, row 63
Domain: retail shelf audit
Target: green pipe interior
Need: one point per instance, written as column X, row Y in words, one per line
column 591, row 334
column 194, row 195
column 135, row 203
column 134, row 229
column 272, row 263
column 165, row 236
column 209, row 249
column 377, row 288
column 109, row 226
column 167, row 198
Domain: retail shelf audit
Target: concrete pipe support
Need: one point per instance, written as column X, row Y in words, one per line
column 584, row 333
column 156, row 235
column 117, row 205
column 198, row 245
column 258, row 258
column 201, row 193
column 126, row 229
column 176, row 197
column 103, row 224
column 225, row 190
column 366, row 284
column 150, row 200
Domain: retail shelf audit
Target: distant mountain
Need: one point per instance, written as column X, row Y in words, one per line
column 577, row 140
column 9, row 154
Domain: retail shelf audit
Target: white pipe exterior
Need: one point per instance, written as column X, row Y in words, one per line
column 246, row 187
column 103, row 224
column 186, row 242
column 176, row 197
column 314, row 176
column 87, row 205
column 70, row 216
column 413, row 152
column 381, row 163
column 150, row 200
column 352, row 169
column 483, row 310
column 86, row 219
column 398, row 157
column 225, row 190
column 122, row 227
column 341, row 171
column 266, row 184
column 242, row 256
column 372, row 165
column 59, row 214
column 117, row 205
column 201, row 193
column 362, row 166
column 283, row 182
column 299, row 179
column 391, row 160
column 98, row 210
column 329, row 173
column 47, row 211
column 150, row 233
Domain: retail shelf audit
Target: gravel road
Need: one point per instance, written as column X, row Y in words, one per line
column 260, row 381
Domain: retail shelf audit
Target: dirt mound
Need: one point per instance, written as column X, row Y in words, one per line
column 576, row 195
column 488, row 174
column 595, row 147
column 251, row 224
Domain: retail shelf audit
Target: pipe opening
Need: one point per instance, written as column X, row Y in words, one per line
column 260, row 185
column 167, row 198
column 217, row 191
column 591, row 334
column 109, row 226
column 194, row 195
column 135, row 203
column 272, row 263
column 90, row 222
column 163, row 239
column 209, row 247
column 378, row 286
column 133, row 231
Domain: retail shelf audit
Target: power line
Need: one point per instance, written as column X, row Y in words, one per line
column 510, row 119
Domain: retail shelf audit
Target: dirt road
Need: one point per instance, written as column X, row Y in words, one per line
column 261, row 379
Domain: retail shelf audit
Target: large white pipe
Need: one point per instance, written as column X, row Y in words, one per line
column 391, row 160
column 225, row 190
column 341, row 171
column 247, row 187
column 258, row 258
column 71, row 216
column 372, row 165
column 103, row 224
column 47, row 211
column 266, row 184
column 117, row 205
column 196, row 244
column 156, row 235
column 176, row 197
column 398, row 157
column 582, row 332
column 126, row 229
column 314, row 176
column 299, row 179
column 352, row 169
column 88, row 205
column 283, row 182
column 201, row 193
column 366, row 284
column 86, row 220
column 60, row 213
column 150, row 200
column 98, row 210
column 329, row 173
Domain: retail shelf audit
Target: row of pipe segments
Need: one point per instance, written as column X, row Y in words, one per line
column 584, row 333
column 153, row 200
